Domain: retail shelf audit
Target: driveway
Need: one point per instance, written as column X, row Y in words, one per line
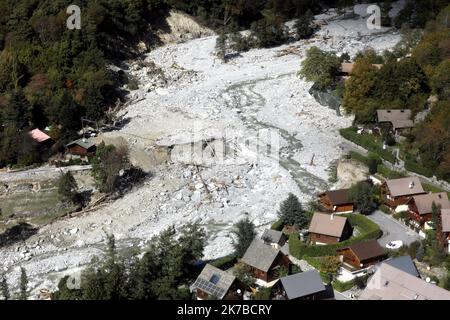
column 392, row 229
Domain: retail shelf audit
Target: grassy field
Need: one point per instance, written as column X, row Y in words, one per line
column 39, row 208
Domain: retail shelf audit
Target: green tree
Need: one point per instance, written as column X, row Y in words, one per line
column 221, row 46
column 17, row 111
column 362, row 194
column 269, row 32
column 291, row 212
column 304, row 25
column 107, row 166
column 67, row 187
column 4, row 289
column 320, row 67
column 23, row 294
column 245, row 233
column 244, row 274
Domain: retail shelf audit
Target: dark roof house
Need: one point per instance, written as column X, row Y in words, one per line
column 213, row 282
column 81, row 147
column 304, row 285
column 264, row 259
column 273, row 237
column 404, row 263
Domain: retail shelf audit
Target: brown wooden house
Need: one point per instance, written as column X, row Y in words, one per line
column 420, row 207
column 445, row 221
column 329, row 228
column 215, row 283
column 81, row 147
column 336, row 201
column 361, row 255
column 265, row 260
column 398, row 192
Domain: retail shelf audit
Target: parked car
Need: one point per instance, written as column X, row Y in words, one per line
column 395, row 245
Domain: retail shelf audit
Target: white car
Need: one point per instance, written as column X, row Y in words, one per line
column 394, row 245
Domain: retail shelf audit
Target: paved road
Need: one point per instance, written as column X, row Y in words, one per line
column 392, row 229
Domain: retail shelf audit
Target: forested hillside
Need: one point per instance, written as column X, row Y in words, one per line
column 52, row 77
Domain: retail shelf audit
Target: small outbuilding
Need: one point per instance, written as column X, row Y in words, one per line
column 302, row 286
column 81, row 147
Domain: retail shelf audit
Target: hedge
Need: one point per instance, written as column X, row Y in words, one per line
column 368, row 142
column 369, row 230
column 343, row 286
column 390, row 174
column 226, row 262
column 278, row 225
column 417, row 168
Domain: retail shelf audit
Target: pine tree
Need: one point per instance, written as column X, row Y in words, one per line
column 304, row 26
column 221, row 46
column 245, row 233
column 23, row 295
column 292, row 213
column 17, row 111
column 67, row 187
column 362, row 194
column 4, row 288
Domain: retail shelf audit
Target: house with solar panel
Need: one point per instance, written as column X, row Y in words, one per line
column 216, row 284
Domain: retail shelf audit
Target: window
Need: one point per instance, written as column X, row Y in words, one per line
column 214, row 279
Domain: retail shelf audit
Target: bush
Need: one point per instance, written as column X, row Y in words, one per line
column 296, row 247
column 226, row 262
column 343, row 286
column 262, row 294
column 368, row 142
column 277, row 225
column 385, row 209
column 417, row 168
column 389, row 174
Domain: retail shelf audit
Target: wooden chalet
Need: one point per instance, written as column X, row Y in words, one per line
column 398, row 120
column 213, row 283
column 445, row 221
column 361, row 255
column 81, row 147
column 398, row 192
column 329, row 228
column 420, row 207
column 41, row 138
column 301, row 286
column 265, row 260
column 336, row 201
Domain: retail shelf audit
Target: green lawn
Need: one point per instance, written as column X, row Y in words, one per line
column 39, row 208
column 369, row 230
column 369, row 142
